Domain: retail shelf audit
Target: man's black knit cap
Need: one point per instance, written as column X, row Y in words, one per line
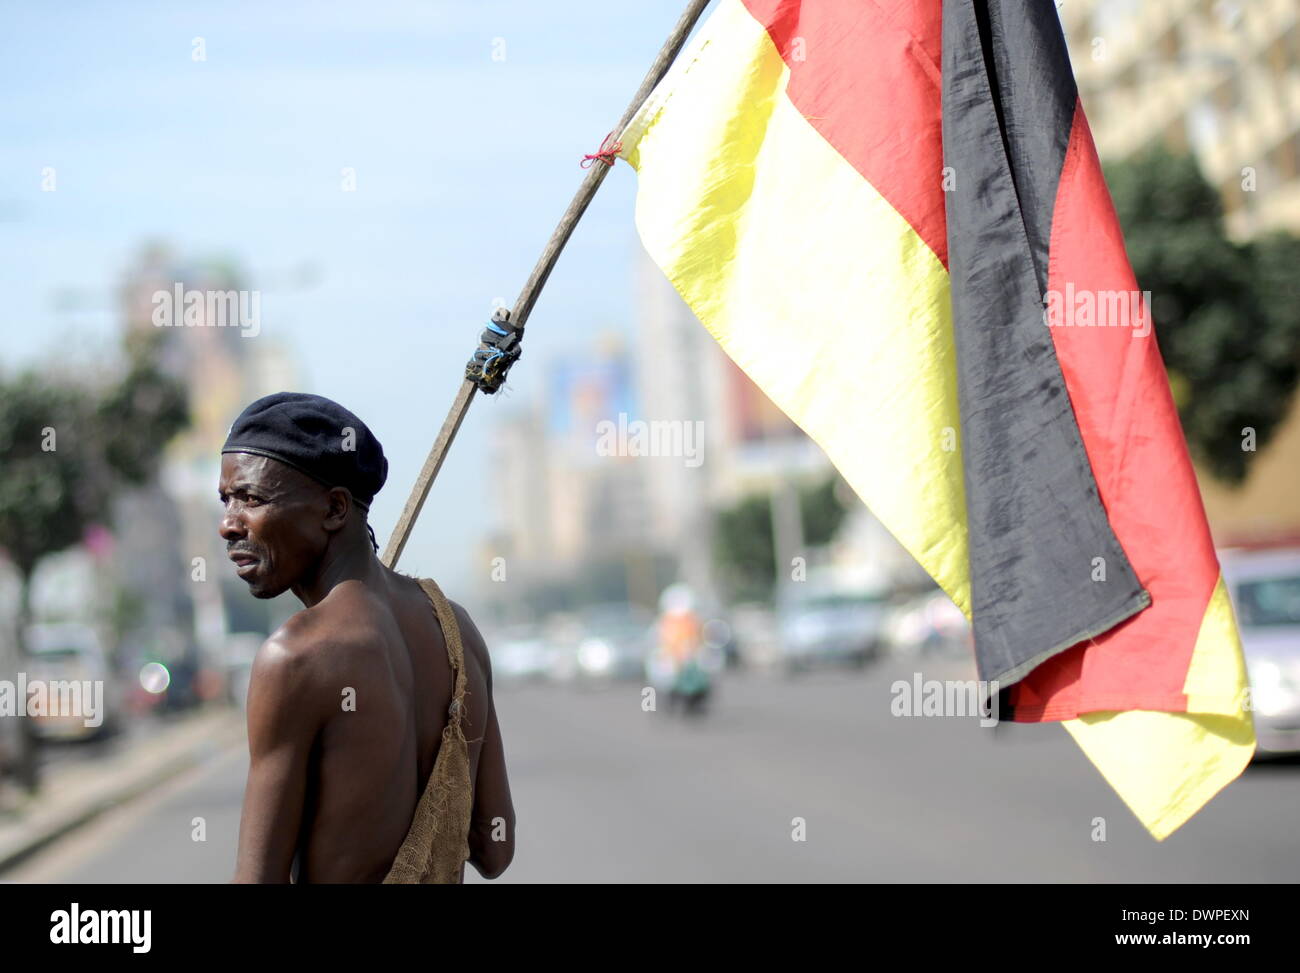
column 315, row 436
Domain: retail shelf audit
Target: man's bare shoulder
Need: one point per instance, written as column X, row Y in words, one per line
column 289, row 651
column 313, row 642
column 470, row 637
column 310, row 630
column 286, row 675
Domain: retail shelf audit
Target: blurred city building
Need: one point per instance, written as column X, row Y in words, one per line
column 155, row 583
column 1219, row 79
column 159, row 576
column 223, row 367
column 568, row 518
column 624, row 525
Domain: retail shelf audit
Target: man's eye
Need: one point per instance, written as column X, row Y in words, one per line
column 247, row 499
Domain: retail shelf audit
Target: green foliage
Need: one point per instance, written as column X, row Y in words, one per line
column 104, row 438
column 745, row 547
column 136, row 418
column 1227, row 315
column 822, row 511
column 44, row 494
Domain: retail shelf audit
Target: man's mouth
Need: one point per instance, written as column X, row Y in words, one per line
column 244, row 562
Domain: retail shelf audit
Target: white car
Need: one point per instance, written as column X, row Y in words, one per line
column 70, row 654
column 1265, row 590
column 830, row 623
column 520, row 654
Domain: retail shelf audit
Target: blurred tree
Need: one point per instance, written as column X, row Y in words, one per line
column 822, row 510
column 136, row 418
column 46, row 486
column 746, row 549
column 1227, row 315
column 69, row 447
column 126, row 612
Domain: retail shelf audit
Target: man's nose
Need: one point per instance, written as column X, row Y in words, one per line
column 231, row 528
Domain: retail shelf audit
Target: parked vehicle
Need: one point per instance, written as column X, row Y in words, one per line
column 241, row 651
column 830, row 620
column 19, row 759
column 1265, row 589
column 520, row 654
column 929, row 624
column 757, row 635
column 614, row 642
column 71, row 656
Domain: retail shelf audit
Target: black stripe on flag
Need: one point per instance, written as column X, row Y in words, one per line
column 1034, row 516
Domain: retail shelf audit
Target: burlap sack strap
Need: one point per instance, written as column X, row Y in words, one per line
column 437, row 845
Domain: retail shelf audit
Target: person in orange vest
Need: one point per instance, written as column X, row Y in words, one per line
column 681, row 646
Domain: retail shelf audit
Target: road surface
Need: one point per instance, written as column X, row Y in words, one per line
column 605, row 791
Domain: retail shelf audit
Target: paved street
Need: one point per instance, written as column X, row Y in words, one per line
column 607, row 792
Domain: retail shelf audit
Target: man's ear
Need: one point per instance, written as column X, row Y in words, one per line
column 340, row 503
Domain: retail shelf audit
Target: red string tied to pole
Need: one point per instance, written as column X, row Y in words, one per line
column 609, row 148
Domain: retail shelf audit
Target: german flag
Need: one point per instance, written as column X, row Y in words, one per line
column 891, row 215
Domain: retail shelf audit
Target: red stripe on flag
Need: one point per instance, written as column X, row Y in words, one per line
column 1120, row 393
column 866, row 76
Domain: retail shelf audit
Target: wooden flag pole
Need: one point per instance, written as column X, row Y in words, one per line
column 533, row 287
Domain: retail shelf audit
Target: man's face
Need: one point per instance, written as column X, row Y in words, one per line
column 273, row 523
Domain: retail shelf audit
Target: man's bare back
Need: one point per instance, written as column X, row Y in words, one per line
column 366, row 674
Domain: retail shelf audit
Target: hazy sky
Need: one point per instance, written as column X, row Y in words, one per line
column 463, row 165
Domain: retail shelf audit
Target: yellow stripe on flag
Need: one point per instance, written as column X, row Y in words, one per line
column 817, row 288
column 1166, row 766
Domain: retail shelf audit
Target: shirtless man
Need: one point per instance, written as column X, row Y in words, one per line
column 348, row 699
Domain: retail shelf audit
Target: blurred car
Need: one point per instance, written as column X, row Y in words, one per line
column 613, row 643
column 720, row 640
column 11, row 744
column 827, row 621
column 241, row 650
column 757, row 635
column 69, row 653
column 562, row 632
column 929, row 624
column 18, row 759
column 1265, row 590
column 520, row 654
